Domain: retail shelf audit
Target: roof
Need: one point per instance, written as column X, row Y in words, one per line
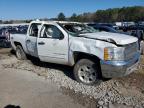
column 61, row 22
column 38, row 21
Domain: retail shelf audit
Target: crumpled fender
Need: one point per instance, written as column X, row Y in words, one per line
column 88, row 46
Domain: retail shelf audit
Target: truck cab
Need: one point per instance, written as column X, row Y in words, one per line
column 48, row 42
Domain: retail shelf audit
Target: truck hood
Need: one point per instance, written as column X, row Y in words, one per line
column 120, row 39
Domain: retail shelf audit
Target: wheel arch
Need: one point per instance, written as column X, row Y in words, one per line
column 81, row 55
column 18, row 43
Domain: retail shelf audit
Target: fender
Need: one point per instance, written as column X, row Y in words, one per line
column 87, row 46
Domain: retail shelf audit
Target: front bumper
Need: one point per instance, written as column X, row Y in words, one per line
column 112, row 69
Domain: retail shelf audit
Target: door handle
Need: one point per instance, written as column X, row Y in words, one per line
column 28, row 41
column 41, row 43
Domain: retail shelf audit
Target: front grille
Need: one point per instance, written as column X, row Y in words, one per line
column 131, row 50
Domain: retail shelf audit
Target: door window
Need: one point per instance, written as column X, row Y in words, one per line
column 34, row 29
column 51, row 31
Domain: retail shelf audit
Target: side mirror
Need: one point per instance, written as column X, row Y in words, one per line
column 61, row 36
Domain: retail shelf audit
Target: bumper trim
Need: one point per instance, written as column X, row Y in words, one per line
column 112, row 69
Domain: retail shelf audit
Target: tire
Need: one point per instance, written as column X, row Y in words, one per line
column 87, row 72
column 20, row 54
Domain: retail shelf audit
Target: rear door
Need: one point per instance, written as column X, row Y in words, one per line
column 31, row 40
column 53, row 44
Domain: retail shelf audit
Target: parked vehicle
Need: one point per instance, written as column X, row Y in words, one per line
column 4, row 38
column 92, row 54
column 106, row 29
column 103, row 28
column 1, row 35
column 113, row 26
column 136, row 31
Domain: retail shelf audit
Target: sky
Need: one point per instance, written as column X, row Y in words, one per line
column 35, row 9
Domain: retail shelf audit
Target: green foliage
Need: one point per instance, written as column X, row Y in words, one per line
column 135, row 13
column 1, row 21
column 74, row 17
column 61, row 17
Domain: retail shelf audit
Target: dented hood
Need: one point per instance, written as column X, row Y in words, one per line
column 120, row 39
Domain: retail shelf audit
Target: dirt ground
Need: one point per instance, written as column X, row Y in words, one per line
column 23, row 89
column 31, row 93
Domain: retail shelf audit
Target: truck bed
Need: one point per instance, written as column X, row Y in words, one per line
column 18, row 38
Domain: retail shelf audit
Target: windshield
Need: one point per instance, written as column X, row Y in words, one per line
column 75, row 29
column 80, row 29
column 68, row 31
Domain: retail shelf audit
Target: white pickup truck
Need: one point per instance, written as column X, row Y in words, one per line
column 93, row 54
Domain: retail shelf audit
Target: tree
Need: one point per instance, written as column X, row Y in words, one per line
column 1, row 21
column 61, row 17
column 74, row 17
column 135, row 13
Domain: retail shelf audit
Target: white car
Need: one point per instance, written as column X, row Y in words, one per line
column 92, row 54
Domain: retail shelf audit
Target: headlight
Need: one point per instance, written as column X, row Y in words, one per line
column 114, row 54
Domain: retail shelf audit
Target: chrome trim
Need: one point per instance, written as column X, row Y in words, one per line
column 130, row 50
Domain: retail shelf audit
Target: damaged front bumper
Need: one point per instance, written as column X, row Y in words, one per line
column 112, row 69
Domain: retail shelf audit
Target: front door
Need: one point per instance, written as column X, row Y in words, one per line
column 53, row 44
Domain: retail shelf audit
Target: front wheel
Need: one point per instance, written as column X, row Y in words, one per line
column 87, row 72
column 20, row 53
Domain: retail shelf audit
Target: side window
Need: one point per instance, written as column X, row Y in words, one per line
column 51, row 31
column 34, row 30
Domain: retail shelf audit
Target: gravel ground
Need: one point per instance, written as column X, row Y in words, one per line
column 127, row 92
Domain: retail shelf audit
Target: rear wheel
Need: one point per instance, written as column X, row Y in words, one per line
column 20, row 53
column 87, row 72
